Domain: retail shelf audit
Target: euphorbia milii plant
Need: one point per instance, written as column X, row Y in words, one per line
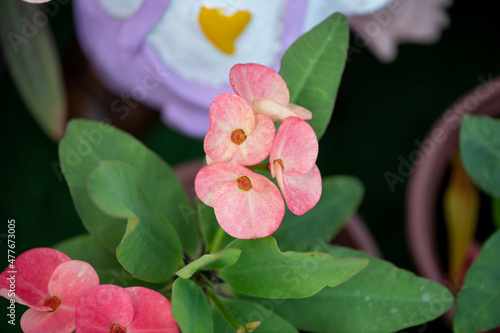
column 50, row 283
column 112, row 309
column 144, row 230
column 248, row 205
column 236, row 134
column 293, row 163
column 266, row 91
column 64, row 296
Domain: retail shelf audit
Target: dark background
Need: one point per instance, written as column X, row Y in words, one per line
column 380, row 112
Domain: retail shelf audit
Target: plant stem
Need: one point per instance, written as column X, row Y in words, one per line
column 206, row 280
column 201, row 231
column 222, row 308
column 217, row 240
column 166, row 288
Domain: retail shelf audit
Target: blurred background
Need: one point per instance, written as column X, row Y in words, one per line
column 382, row 112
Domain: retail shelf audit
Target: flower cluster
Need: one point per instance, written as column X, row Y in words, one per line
column 242, row 134
column 64, row 295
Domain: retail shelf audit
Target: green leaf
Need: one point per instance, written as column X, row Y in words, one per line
column 382, row 298
column 85, row 144
column 480, row 151
column 245, row 312
column 85, row 248
column 190, row 308
column 213, row 236
column 150, row 248
column 34, row 65
column 495, row 203
column 312, row 68
column 479, row 299
column 264, row 271
column 340, row 198
column 208, row 262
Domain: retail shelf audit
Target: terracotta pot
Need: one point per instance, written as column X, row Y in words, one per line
column 355, row 234
column 426, row 181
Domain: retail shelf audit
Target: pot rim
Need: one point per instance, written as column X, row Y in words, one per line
column 429, row 169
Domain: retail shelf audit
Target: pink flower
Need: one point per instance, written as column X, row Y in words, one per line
column 266, row 91
column 247, row 205
column 293, row 163
column 112, row 309
column 236, row 133
column 50, row 283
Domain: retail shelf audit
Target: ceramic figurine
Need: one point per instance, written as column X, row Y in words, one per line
column 175, row 55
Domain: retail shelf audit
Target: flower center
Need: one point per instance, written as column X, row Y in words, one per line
column 244, row 183
column 52, row 302
column 238, row 137
column 280, row 161
column 117, row 328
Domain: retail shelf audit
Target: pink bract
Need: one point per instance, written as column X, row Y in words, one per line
column 293, row 159
column 266, row 91
column 43, row 274
column 236, row 133
column 247, row 205
column 135, row 309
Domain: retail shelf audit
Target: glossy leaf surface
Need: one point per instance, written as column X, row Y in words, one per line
column 480, row 151
column 85, row 144
column 381, row 298
column 33, row 62
column 264, row 271
column 312, row 68
column 150, row 249
column 478, row 302
column 190, row 308
column 340, row 198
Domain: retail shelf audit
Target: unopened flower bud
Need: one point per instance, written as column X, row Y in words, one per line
column 251, row 326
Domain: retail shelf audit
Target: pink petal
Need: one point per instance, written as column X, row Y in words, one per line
column 228, row 112
column 102, row 306
column 34, row 321
column 277, row 112
column 249, row 214
column 253, row 81
column 257, row 145
column 71, row 280
column 218, row 147
column 296, row 145
column 301, row 112
column 68, row 282
column 302, row 192
column 152, row 312
column 34, row 269
column 277, row 172
column 211, row 177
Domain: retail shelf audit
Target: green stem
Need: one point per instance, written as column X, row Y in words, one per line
column 206, row 280
column 201, row 231
column 166, row 287
column 222, row 308
column 261, row 166
column 217, row 240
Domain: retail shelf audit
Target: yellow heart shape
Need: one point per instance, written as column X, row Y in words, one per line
column 223, row 30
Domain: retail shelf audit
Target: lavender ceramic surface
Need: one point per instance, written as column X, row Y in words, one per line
column 161, row 53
